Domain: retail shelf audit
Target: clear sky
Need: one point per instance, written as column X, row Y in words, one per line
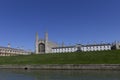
column 71, row 21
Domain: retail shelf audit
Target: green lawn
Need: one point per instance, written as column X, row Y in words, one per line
column 98, row 57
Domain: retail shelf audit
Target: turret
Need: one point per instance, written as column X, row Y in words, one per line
column 46, row 37
column 9, row 45
column 63, row 44
column 36, row 43
column 46, row 43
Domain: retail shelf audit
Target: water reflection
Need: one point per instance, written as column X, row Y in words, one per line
column 59, row 75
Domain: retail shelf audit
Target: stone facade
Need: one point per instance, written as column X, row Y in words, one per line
column 44, row 45
column 116, row 45
column 96, row 47
column 63, row 67
column 83, row 48
column 8, row 51
column 64, row 49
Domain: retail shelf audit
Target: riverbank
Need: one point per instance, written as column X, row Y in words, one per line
column 96, row 57
column 64, row 67
column 97, row 60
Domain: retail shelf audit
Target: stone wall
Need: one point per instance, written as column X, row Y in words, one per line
column 65, row 67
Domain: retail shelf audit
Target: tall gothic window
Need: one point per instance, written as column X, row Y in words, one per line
column 42, row 47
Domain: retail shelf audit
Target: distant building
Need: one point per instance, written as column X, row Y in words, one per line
column 96, row 47
column 64, row 49
column 83, row 48
column 116, row 45
column 46, row 46
column 8, row 51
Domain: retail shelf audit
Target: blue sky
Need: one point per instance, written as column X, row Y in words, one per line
column 71, row 21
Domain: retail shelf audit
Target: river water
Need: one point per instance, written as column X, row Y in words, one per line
column 59, row 75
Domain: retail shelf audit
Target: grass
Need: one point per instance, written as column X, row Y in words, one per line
column 96, row 57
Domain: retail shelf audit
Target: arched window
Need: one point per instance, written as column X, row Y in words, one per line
column 41, row 47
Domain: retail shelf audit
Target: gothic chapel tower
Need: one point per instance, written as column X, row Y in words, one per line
column 46, row 43
column 43, row 46
column 36, row 43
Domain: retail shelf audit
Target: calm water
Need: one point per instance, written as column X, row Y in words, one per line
column 58, row 75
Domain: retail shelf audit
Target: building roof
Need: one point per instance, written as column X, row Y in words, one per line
column 88, row 45
column 1, row 47
column 64, row 47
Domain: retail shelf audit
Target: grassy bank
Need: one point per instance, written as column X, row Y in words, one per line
column 98, row 57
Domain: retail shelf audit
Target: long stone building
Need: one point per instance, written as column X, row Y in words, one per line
column 8, row 51
column 83, row 48
column 45, row 46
